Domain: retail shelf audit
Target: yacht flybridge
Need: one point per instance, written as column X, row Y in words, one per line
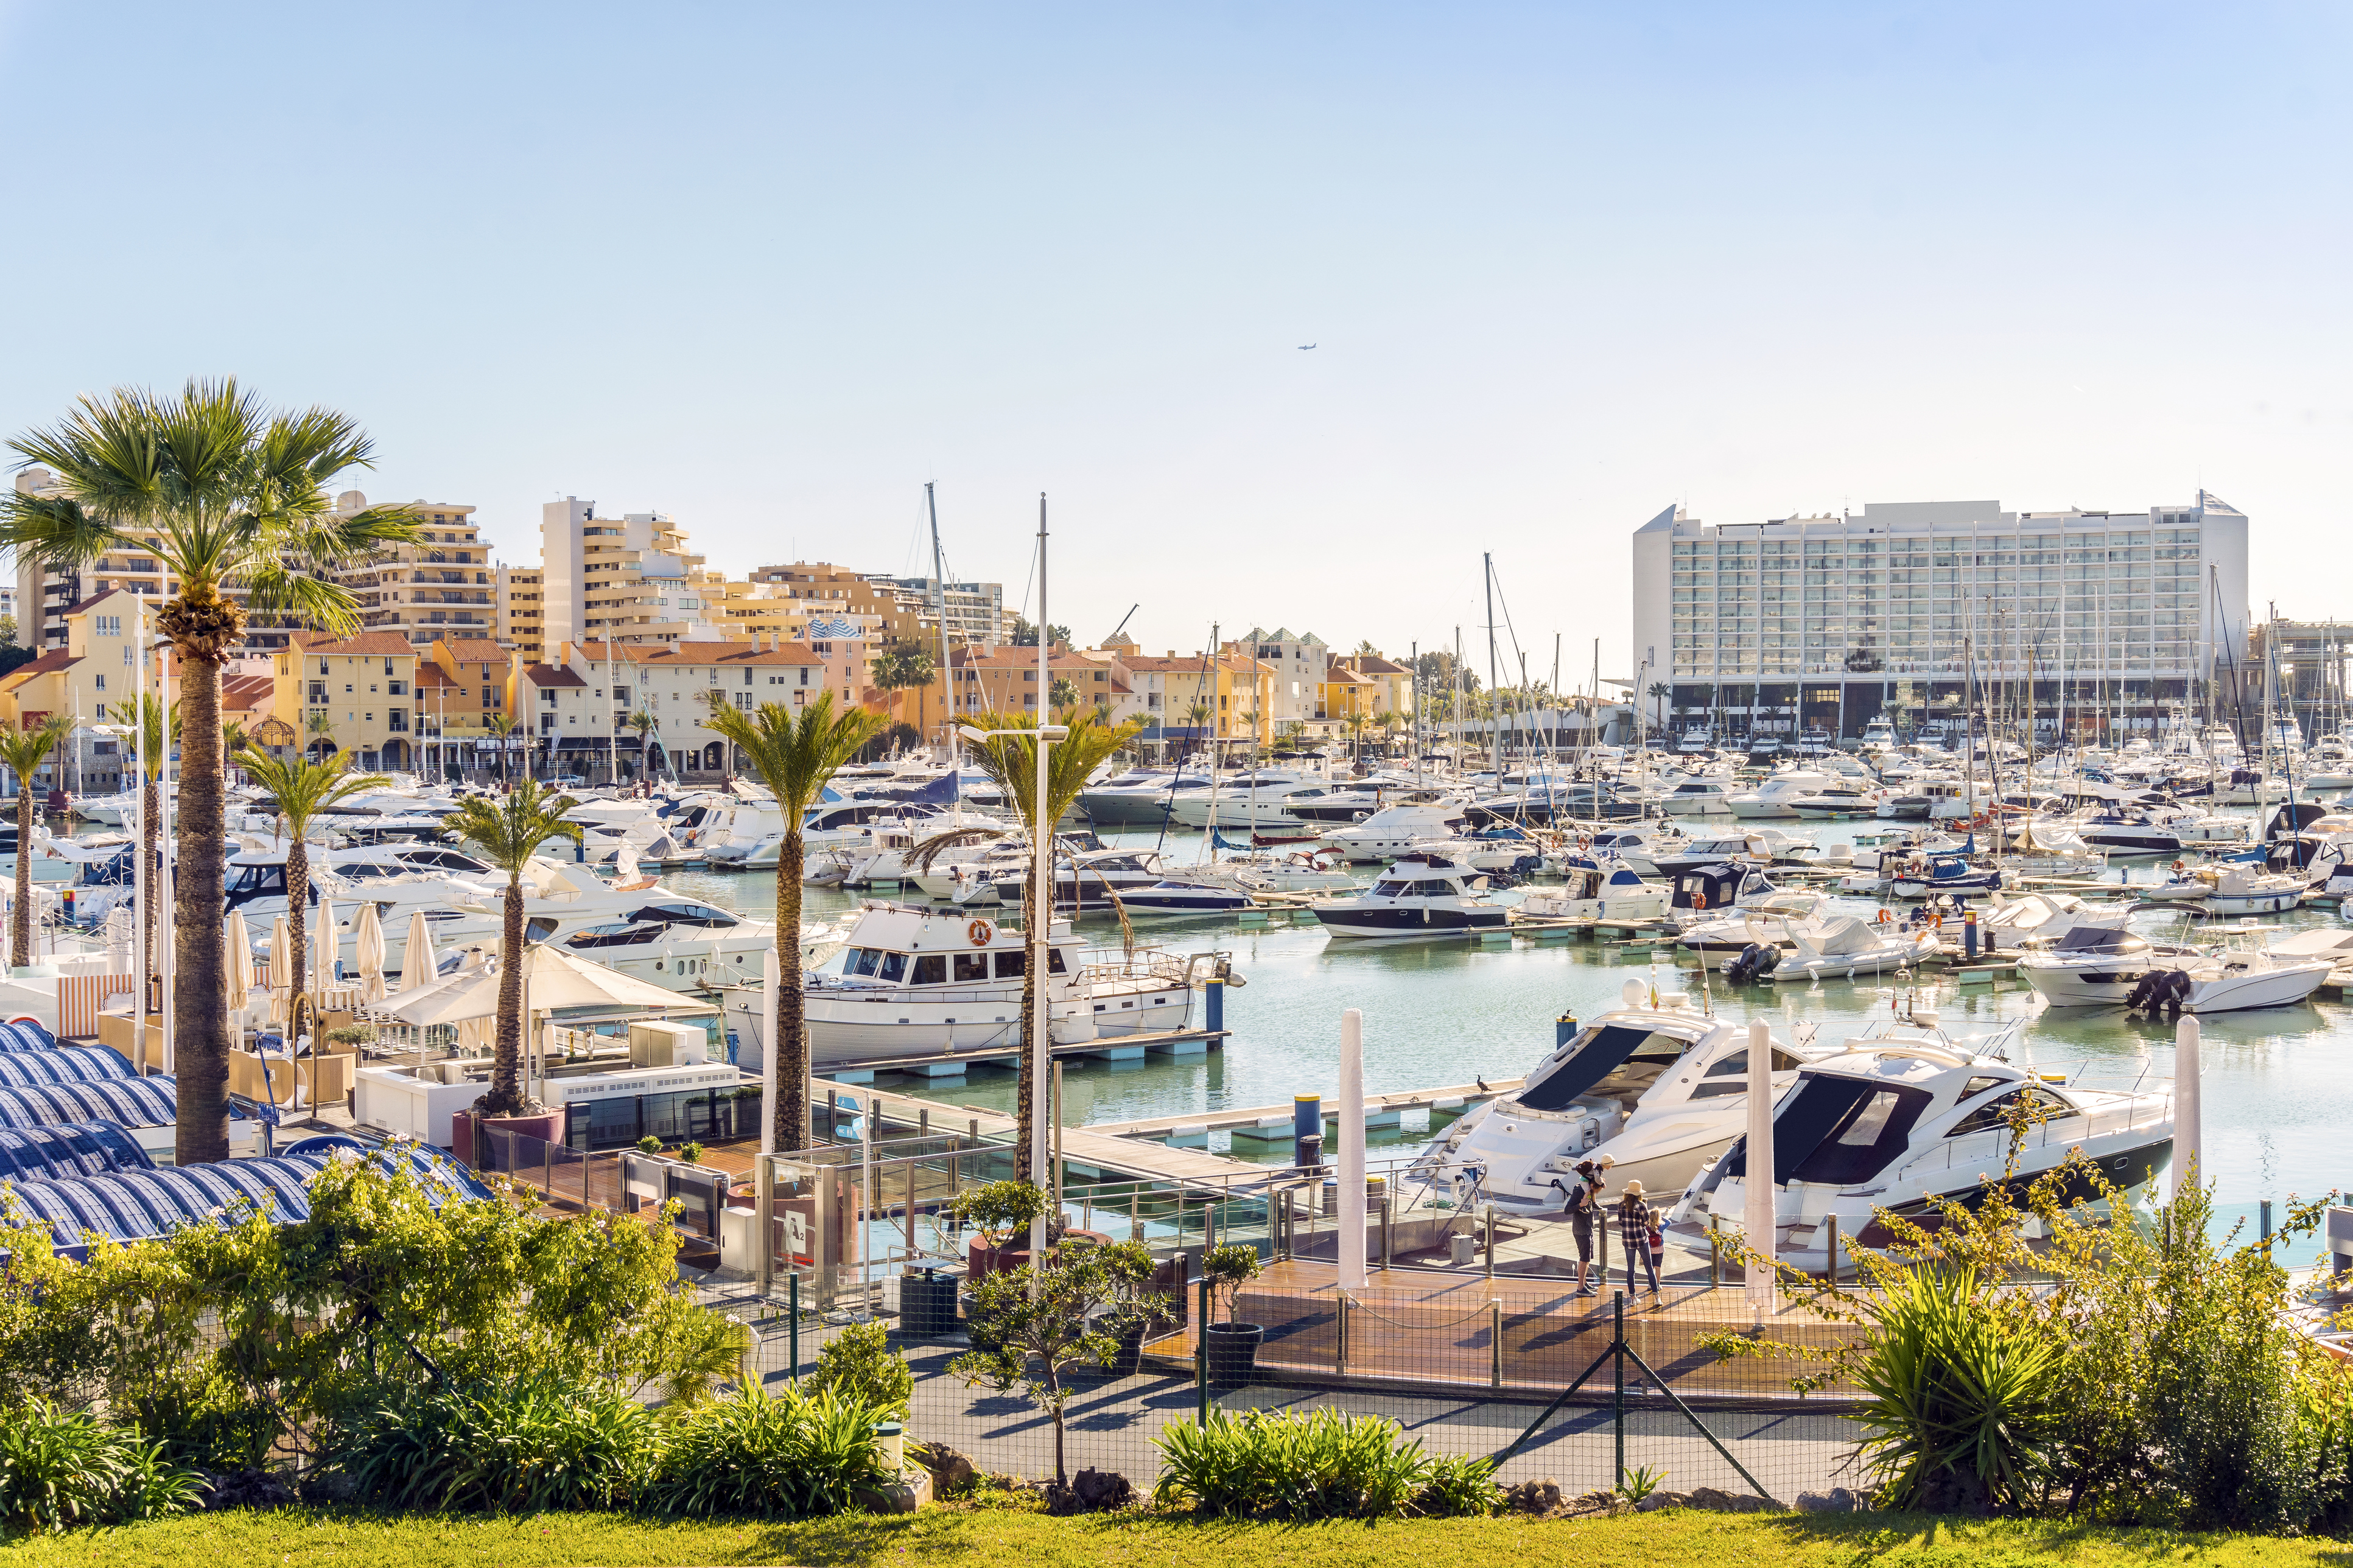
column 1421, row 894
column 1899, row 1121
column 1660, row 1088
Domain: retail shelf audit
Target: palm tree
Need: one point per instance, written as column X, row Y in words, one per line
column 643, row 723
column 147, row 711
column 1011, row 762
column 318, row 722
column 509, row 830
column 23, row 751
column 501, row 727
column 795, row 755
column 230, row 496
column 303, row 789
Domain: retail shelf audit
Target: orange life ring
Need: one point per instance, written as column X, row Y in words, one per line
column 979, row 931
column 1699, row 900
column 1883, row 917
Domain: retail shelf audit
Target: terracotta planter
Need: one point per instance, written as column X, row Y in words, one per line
column 981, row 1258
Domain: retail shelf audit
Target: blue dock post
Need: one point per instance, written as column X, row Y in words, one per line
column 1306, row 1121
column 1564, row 1029
column 1214, row 989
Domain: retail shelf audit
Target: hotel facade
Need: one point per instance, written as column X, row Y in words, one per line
column 1824, row 622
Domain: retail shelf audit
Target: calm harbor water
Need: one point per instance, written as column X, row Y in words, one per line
column 2278, row 1091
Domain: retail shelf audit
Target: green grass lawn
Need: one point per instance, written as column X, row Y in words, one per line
column 954, row 1536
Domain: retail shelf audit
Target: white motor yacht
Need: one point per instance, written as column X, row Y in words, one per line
column 1761, row 920
column 1138, row 799
column 2232, row 889
column 1698, row 797
column 1639, row 844
column 1901, row 1120
column 2243, row 976
column 1597, row 890
column 1778, row 794
column 911, row 983
column 1303, row 871
column 2097, row 966
column 1660, row 1088
column 1394, row 830
column 1415, row 896
column 1250, row 802
column 1845, row 946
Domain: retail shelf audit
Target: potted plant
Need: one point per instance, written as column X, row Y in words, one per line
column 1230, row 1348
column 691, row 1152
column 995, row 1214
column 1134, row 1305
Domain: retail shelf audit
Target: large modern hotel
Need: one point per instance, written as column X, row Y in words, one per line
column 1825, row 622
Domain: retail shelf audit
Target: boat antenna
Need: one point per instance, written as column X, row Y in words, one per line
column 940, row 609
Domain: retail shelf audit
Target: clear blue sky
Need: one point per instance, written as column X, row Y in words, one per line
column 769, row 267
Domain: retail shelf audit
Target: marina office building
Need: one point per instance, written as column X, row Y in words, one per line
column 1824, row 622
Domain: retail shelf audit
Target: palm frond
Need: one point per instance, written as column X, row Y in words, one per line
column 55, row 531
column 24, row 750
column 796, row 753
column 938, row 844
column 304, row 788
column 328, row 605
column 510, row 829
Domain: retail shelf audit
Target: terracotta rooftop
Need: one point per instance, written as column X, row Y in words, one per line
column 48, row 663
column 476, row 650
column 550, row 675
column 103, row 594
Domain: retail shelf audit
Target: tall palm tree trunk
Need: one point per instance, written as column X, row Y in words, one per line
column 20, row 919
column 298, row 924
column 199, row 1021
column 506, row 1062
column 151, row 835
column 791, row 1112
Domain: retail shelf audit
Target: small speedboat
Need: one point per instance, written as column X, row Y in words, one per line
column 2232, row 889
column 1846, row 946
column 2097, row 966
column 1927, row 876
column 1597, row 891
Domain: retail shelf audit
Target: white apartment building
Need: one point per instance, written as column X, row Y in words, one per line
column 581, row 703
column 1300, row 664
column 632, row 578
column 975, row 612
column 1825, row 621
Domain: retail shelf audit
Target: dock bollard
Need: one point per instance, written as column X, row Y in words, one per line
column 1213, row 991
column 1970, row 936
column 1306, row 1121
column 1564, row 1029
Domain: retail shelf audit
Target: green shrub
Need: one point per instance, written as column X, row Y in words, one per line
column 205, row 1420
column 649, row 1145
column 531, row 1445
column 1961, row 1400
column 1291, row 1465
column 1458, row 1488
column 1227, row 1269
column 691, row 1152
column 860, row 1367
column 58, row 1470
column 790, row 1456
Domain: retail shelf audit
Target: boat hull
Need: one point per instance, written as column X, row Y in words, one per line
column 1408, row 924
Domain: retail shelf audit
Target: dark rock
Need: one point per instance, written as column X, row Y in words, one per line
column 246, row 1488
column 951, row 1471
column 1838, row 1499
column 1538, row 1498
column 1090, row 1491
column 328, row 1486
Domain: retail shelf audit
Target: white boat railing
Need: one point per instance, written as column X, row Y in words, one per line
column 1987, row 1153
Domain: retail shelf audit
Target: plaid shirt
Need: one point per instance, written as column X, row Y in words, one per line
column 1634, row 1222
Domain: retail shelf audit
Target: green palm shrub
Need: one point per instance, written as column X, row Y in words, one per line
column 1962, row 1403
column 860, row 1367
column 1293, row 1466
column 1458, row 1486
column 60, row 1469
column 524, row 1446
column 787, row 1456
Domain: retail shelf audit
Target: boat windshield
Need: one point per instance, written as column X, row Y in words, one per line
column 1618, row 1061
column 2099, row 939
column 1838, row 1131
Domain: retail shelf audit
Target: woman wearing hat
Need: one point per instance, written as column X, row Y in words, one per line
column 1584, row 1194
column 1636, row 1220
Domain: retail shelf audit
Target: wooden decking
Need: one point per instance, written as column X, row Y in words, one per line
column 1466, row 1331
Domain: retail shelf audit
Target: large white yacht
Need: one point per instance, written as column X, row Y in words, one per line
column 1903, row 1118
column 1658, row 1087
column 1778, row 795
column 1419, row 895
column 1250, row 802
column 911, row 983
column 1393, row 830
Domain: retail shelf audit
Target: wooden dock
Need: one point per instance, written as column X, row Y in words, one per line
column 1375, row 1106
column 1419, row 1330
column 952, row 1064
